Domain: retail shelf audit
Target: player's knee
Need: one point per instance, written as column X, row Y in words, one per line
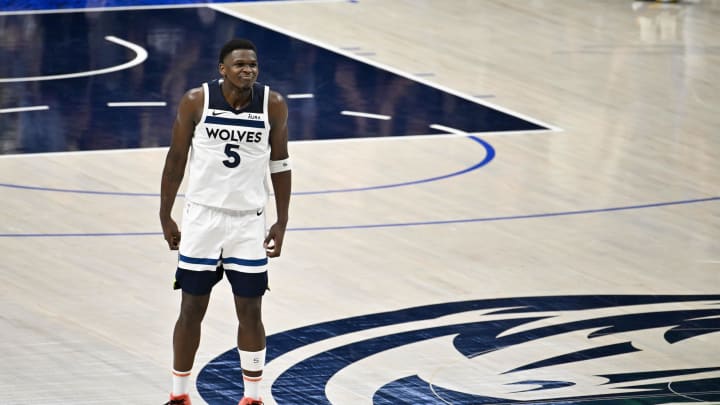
column 193, row 308
column 249, row 312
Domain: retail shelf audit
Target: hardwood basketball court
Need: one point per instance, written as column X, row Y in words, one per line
column 550, row 233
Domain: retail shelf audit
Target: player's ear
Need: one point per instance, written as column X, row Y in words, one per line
column 221, row 69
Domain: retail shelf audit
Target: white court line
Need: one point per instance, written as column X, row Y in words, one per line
column 447, row 129
column 141, row 55
column 371, row 62
column 302, row 95
column 366, row 115
column 23, row 109
column 137, row 104
column 458, row 132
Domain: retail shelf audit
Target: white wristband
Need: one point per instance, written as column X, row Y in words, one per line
column 277, row 166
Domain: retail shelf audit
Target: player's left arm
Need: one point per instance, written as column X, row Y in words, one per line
column 280, row 172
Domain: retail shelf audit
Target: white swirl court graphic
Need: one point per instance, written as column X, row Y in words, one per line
column 553, row 349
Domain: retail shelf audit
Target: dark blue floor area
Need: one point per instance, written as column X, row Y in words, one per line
column 182, row 46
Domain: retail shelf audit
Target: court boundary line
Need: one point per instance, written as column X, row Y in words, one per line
column 403, row 224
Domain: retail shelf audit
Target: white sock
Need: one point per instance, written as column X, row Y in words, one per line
column 181, row 382
column 251, row 386
column 252, row 361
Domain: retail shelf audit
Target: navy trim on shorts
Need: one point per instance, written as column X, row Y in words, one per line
column 197, row 260
column 246, row 262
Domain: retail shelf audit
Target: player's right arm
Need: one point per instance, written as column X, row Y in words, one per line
column 188, row 115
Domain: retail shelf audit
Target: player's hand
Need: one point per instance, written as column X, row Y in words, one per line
column 274, row 240
column 171, row 233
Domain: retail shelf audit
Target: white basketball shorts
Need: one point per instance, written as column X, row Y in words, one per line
column 214, row 240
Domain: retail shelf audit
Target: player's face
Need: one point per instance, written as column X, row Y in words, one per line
column 240, row 67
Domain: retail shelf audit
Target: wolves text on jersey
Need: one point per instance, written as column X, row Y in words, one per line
column 234, row 135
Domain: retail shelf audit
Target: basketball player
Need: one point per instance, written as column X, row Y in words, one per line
column 234, row 130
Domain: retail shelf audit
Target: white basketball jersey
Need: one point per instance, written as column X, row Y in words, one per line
column 230, row 152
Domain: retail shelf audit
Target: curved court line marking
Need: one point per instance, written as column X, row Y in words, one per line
column 669, row 385
column 399, row 224
column 489, row 156
column 141, row 55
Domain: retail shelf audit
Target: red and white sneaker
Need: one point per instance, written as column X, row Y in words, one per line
column 183, row 399
column 250, row 401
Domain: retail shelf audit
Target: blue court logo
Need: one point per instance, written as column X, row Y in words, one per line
column 557, row 349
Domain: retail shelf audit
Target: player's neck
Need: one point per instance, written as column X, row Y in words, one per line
column 237, row 97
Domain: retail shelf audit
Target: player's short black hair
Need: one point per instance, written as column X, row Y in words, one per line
column 233, row 44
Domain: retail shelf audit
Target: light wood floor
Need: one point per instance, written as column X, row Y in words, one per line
column 631, row 90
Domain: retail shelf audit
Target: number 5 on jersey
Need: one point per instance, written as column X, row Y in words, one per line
column 234, row 157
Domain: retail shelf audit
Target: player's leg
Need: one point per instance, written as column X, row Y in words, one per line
column 245, row 262
column 196, row 287
column 198, row 271
column 251, row 331
column 251, row 344
column 186, row 339
column 186, row 335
